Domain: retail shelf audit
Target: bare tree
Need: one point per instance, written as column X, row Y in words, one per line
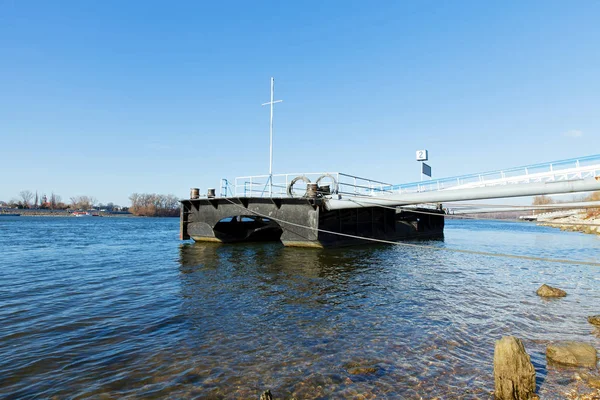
column 154, row 205
column 54, row 200
column 26, row 196
column 595, row 196
column 83, row 202
column 542, row 200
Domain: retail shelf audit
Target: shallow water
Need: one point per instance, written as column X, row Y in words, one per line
column 120, row 308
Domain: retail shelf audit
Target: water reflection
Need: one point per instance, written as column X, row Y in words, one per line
column 275, row 258
column 282, row 316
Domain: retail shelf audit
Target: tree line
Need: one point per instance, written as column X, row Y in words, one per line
column 30, row 200
column 547, row 200
column 154, row 205
column 27, row 199
column 142, row 204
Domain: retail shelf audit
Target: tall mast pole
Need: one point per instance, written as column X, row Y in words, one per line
column 271, row 136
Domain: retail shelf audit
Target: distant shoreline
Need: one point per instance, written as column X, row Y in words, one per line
column 61, row 213
column 575, row 223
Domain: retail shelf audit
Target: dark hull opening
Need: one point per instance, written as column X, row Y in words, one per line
column 247, row 229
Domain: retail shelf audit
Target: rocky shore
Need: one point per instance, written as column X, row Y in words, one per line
column 575, row 223
column 514, row 373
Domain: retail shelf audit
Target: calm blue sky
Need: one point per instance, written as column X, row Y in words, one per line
column 107, row 98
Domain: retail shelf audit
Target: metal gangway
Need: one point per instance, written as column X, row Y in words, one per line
column 555, row 171
column 345, row 190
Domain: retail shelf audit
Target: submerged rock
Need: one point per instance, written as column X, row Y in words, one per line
column 594, row 320
column 592, row 381
column 266, row 395
column 361, row 368
column 576, row 354
column 514, row 375
column 549, row 291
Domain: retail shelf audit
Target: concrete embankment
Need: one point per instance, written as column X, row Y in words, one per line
column 576, row 223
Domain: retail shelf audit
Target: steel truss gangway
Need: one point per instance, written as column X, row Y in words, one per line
column 555, row 171
column 566, row 176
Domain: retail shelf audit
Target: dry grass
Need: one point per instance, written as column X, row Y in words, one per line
column 593, row 212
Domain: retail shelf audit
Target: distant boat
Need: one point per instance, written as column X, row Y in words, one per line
column 9, row 215
column 85, row 214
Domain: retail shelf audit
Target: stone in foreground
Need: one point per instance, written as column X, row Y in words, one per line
column 575, row 354
column 266, row 395
column 592, row 381
column 594, row 320
column 549, row 291
column 514, row 375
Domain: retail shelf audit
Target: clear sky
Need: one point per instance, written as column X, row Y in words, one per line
column 107, row 98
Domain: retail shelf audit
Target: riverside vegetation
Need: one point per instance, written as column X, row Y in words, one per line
column 142, row 204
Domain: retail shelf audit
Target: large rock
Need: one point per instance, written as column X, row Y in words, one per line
column 576, row 354
column 514, row 375
column 594, row 320
column 549, row 291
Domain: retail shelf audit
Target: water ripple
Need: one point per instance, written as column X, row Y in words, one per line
column 105, row 307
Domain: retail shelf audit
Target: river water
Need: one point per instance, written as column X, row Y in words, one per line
column 120, row 308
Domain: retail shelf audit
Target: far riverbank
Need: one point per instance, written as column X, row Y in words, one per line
column 576, row 223
column 63, row 213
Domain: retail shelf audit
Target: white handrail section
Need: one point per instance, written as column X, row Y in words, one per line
column 339, row 183
column 351, row 185
column 556, row 171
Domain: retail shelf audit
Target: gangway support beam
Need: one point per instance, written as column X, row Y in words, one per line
column 545, row 207
column 493, row 192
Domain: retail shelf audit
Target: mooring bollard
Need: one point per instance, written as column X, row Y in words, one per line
column 311, row 190
column 325, row 190
column 211, row 193
column 194, row 193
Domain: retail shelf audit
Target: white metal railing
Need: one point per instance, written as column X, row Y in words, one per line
column 278, row 185
column 575, row 168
